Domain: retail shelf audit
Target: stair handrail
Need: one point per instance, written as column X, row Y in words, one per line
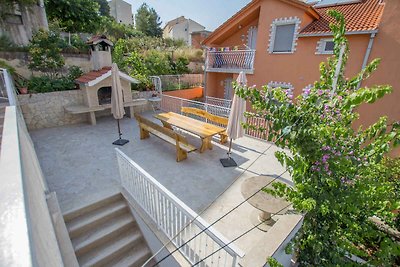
column 146, row 188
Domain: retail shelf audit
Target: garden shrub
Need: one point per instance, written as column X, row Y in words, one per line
column 142, row 59
column 117, row 31
column 45, row 52
column 45, row 84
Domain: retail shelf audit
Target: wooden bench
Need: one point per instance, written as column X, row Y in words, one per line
column 209, row 117
column 182, row 146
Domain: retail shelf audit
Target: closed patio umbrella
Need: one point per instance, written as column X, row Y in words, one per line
column 117, row 102
column 234, row 129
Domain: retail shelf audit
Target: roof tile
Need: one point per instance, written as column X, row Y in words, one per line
column 364, row 16
column 90, row 76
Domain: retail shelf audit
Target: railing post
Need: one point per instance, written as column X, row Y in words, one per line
column 181, row 106
column 234, row 261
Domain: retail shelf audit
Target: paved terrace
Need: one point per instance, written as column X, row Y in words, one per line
column 79, row 163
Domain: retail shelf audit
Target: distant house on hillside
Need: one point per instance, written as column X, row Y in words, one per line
column 182, row 28
column 198, row 38
column 281, row 43
column 121, row 11
column 21, row 23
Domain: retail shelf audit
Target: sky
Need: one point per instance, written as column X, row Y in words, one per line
column 209, row 13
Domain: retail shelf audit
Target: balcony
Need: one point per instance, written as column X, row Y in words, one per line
column 230, row 61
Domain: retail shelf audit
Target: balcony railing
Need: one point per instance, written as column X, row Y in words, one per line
column 230, row 61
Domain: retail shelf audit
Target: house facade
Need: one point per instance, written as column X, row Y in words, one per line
column 282, row 42
column 182, row 28
column 121, row 11
column 198, row 38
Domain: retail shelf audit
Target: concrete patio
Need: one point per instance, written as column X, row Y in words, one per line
column 79, row 163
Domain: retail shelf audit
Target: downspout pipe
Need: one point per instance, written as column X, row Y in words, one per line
column 205, row 74
column 367, row 54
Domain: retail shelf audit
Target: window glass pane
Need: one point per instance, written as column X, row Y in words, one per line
column 284, row 35
column 329, row 45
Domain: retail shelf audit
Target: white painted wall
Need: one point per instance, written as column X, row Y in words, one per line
column 27, row 236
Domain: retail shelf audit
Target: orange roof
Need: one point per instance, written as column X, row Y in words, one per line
column 90, row 76
column 364, row 16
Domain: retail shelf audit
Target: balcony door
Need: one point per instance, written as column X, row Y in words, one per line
column 252, row 38
column 228, row 89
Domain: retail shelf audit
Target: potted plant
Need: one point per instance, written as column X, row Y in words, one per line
column 23, row 86
column 21, row 83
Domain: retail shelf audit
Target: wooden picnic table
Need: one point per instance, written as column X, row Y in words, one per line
column 202, row 129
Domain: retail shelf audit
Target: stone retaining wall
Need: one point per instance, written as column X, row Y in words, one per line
column 20, row 61
column 47, row 109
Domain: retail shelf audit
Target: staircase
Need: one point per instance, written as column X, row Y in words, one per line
column 105, row 233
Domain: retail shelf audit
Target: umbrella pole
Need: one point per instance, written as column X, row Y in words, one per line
column 230, row 147
column 228, row 162
column 119, row 130
column 120, row 141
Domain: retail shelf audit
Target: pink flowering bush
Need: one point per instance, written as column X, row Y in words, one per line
column 335, row 168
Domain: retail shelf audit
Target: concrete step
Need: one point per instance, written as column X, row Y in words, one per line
column 111, row 250
column 86, row 222
column 135, row 258
column 76, row 212
column 102, row 234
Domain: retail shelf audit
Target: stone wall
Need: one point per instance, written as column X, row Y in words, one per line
column 20, row 61
column 47, row 109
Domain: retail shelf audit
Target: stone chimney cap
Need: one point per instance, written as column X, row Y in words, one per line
column 96, row 39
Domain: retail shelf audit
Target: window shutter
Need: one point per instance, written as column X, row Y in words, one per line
column 284, row 35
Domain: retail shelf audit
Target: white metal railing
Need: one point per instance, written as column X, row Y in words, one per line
column 257, row 122
column 174, row 104
column 7, row 88
column 218, row 101
column 171, row 215
column 240, row 60
column 219, row 107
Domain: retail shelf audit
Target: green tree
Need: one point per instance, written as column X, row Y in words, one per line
column 104, row 7
column 74, row 15
column 45, row 53
column 148, row 21
column 339, row 182
column 116, row 31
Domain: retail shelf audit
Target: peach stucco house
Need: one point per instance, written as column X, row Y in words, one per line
column 282, row 42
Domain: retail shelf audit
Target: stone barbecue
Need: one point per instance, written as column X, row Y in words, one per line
column 97, row 84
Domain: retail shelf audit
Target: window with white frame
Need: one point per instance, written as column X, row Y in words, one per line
column 325, row 46
column 282, row 85
column 283, row 35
